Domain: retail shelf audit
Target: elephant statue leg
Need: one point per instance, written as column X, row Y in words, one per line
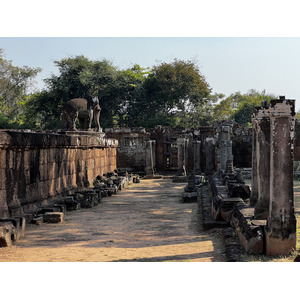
column 97, row 111
column 68, row 121
column 85, row 117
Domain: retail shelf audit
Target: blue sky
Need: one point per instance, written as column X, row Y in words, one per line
column 229, row 64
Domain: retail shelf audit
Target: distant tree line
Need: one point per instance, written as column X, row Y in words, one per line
column 171, row 94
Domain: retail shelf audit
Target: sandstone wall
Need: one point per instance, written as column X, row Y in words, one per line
column 132, row 147
column 35, row 167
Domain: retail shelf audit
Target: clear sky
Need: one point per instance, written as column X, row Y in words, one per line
column 229, row 64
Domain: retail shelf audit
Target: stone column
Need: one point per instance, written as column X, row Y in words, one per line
column 262, row 164
column 197, row 157
column 254, row 183
column 182, row 146
column 210, row 155
column 150, row 157
column 225, row 146
column 281, row 224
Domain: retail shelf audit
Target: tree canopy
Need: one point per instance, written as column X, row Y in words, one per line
column 172, row 94
column 15, row 83
column 240, row 107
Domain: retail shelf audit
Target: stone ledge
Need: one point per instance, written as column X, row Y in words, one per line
column 31, row 139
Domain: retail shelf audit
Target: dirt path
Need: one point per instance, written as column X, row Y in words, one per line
column 145, row 222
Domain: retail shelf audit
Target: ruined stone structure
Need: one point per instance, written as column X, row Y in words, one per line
column 281, row 222
column 272, row 180
column 136, row 150
column 35, row 167
column 165, row 149
column 261, row 167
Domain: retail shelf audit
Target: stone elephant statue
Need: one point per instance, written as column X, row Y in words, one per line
column 85, row 109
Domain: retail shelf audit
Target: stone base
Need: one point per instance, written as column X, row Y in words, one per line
column 250, row 232
column 275, row 246
column 53, row 217
column 189, row 196
column 83, row 132
column 227, row 207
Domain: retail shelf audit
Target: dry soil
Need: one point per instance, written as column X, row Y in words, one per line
column 146, row 222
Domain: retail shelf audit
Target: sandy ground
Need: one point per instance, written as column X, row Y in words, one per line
column 146, row 222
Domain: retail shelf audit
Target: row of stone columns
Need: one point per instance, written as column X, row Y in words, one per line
column 272, row 174
column 183, row 145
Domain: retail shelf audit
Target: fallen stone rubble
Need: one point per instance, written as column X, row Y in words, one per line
column 106, row 185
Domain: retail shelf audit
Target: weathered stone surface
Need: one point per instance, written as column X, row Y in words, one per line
column 281, row 222
column 53, row 217
column 38, row 220
column 132, row 147
column 263, row 163
column 251, row 234
column 254, row 183
column 7, row 233
column 210, row 156
column 222, row 204
column 182, row 159
column 19, row 223
column 197, row 156
column 150, row 154
column 39, row 166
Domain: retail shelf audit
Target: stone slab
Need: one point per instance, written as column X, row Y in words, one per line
column 53, row 217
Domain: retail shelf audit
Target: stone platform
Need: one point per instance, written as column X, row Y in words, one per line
column 35, row 167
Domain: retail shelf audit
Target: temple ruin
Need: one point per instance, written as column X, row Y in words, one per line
column 45, row 174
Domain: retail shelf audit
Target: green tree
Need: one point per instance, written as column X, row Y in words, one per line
column 172, row 93
column 78, row 77
column 15, row 83
column 247, row 104
column 240, row 107
column 164, row 95
column 127, row 92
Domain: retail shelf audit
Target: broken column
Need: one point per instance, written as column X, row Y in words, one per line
column 150, row 157
column 182, row 146
column 262, row 151
column 281, row 224
column 197, row 153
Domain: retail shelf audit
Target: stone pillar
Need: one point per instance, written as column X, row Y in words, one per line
column 254, row 183
column 197, row 157
column 182, row 146
column 262, row 150
column 225, row 146
column 150, row 157
column 210, row 156
column 281, row 224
